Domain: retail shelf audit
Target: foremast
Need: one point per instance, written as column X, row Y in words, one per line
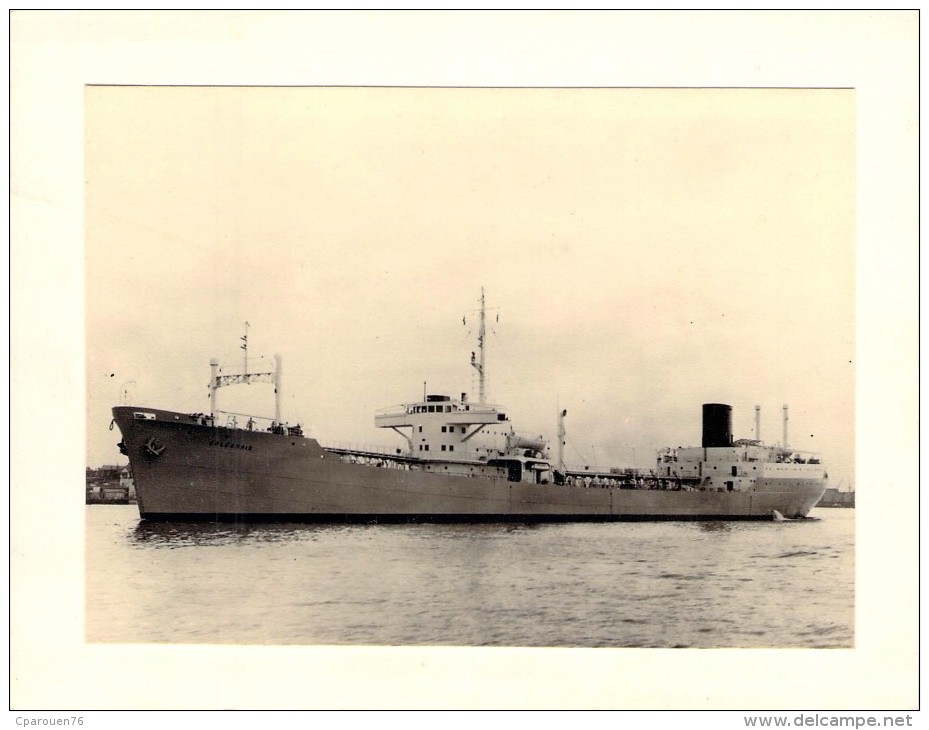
column 218, row 381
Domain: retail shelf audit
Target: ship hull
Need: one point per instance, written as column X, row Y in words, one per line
column 185, row 470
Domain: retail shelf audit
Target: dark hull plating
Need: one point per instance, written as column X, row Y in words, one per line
column 387, row 519
column 184, row 470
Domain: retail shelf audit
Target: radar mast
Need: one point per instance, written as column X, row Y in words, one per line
column 478, row 361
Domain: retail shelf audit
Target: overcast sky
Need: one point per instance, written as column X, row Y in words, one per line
column 646, row 251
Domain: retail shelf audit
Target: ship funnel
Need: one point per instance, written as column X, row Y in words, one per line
column 717, row 425
column 758, row 423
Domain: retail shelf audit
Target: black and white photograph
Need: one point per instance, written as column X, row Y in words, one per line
column 643, row 277
column 526, row 372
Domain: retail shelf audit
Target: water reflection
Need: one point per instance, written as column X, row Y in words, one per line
column 148, row 533
column 715, row 526
column 752, row 525
column 469, row 530
column 184, row 534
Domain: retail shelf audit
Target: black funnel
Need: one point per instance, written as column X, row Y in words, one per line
column 717, row 425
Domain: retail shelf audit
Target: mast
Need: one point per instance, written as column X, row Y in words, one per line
column 244, row 347
column 277, row 388
column 214, row 384
column 785, row 427
column 478, row 362
column 218, row 381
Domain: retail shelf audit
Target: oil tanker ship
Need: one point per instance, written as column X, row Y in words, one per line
column 460, row 461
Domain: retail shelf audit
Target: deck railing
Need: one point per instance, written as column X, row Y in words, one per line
column 355, row 448
column 406, row 409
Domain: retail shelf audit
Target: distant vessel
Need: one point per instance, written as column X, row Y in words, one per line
column 833, row 497
column 462, row 462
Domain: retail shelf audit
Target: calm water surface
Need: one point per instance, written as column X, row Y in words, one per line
column 664, row 584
